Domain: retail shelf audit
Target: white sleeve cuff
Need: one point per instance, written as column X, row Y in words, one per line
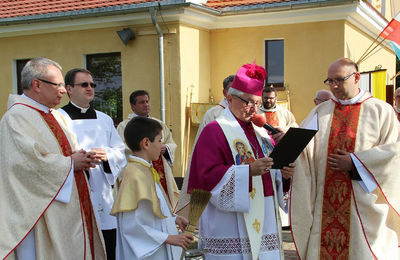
column 64, row 195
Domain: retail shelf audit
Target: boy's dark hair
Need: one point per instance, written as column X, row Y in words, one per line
column 138, row 128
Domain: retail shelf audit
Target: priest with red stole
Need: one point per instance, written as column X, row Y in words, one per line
column 230, row 159
column 45, row 207
column 345, row 196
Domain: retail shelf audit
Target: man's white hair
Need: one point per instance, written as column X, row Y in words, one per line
column 235, row 92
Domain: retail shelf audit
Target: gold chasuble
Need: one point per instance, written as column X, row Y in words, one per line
column 35, row 165
column 333, row 216
column 162, row 165
column 138, row 183
column 335, row 226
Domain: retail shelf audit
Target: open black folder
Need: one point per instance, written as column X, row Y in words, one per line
column 290, row 146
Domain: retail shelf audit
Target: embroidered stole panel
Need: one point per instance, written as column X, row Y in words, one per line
column 272, row 118
column 336, row 207
column 83, row 191
column 158, row 165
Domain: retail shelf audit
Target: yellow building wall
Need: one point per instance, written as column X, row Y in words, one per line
column 195, row 77
column 309, row 48
column 139, row 61
column 357, row 42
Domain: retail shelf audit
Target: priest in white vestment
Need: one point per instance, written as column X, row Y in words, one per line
column 45, row 208
column 140, row 105
column 95, row 132
column 230, row 159
column 345, row 198
column 146, row 224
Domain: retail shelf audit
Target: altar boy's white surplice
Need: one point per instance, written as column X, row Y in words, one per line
column 144, row 216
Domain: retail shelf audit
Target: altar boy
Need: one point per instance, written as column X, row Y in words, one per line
column 146, row 224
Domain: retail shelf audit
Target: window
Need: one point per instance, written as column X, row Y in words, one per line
column 20, row 65
column 274, row 63
column 106, row 71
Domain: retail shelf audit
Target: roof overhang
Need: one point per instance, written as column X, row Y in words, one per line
column 358, row 13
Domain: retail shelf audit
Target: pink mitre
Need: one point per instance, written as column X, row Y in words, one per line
column 250, row 79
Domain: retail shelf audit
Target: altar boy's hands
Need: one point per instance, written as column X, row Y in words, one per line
column 183, row 240
column 182, row 222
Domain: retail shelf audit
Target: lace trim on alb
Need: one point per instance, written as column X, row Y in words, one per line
column 230, row 246
column 227, row 195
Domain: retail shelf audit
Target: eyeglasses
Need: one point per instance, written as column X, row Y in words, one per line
column 248, row 102
column 269, row 98
column 86, row 84
column 336, row 82
column 60, row 85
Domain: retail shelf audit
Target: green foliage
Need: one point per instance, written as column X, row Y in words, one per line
column 106, row 71
column 109, row 101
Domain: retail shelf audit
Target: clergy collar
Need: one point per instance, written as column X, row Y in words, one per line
column 75, row 112
column 271, row 109
column 135, row 115
column 40, row 106
column 141, row 160
column 352, row 100
column 83, row 110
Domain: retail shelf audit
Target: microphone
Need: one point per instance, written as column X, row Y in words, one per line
column 260, row 121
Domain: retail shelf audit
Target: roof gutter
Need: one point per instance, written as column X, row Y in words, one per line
column 104, row 11
column 161, row 61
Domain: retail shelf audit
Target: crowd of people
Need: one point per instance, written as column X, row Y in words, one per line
column 72, row 186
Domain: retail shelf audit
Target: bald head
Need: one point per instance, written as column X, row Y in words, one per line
column 322, row 96
column 343, row 79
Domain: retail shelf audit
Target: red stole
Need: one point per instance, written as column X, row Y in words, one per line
column 80, row 180
column 272, row 118
column 336, row 207
column 159, row 167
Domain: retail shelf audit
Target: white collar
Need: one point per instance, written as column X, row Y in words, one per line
column 396, row 109
column 41, row 106
column 83, row 110
column 135, row 115
column 352, row 100
column 140, row 159
column 271, row 109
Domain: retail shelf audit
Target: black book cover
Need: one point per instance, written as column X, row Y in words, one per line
column 290, row 146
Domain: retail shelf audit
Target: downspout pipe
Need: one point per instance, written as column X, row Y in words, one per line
column 161, row 61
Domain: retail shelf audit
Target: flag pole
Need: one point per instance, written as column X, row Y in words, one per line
column 395, row 76
column 365, row 53
column 365, row 56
